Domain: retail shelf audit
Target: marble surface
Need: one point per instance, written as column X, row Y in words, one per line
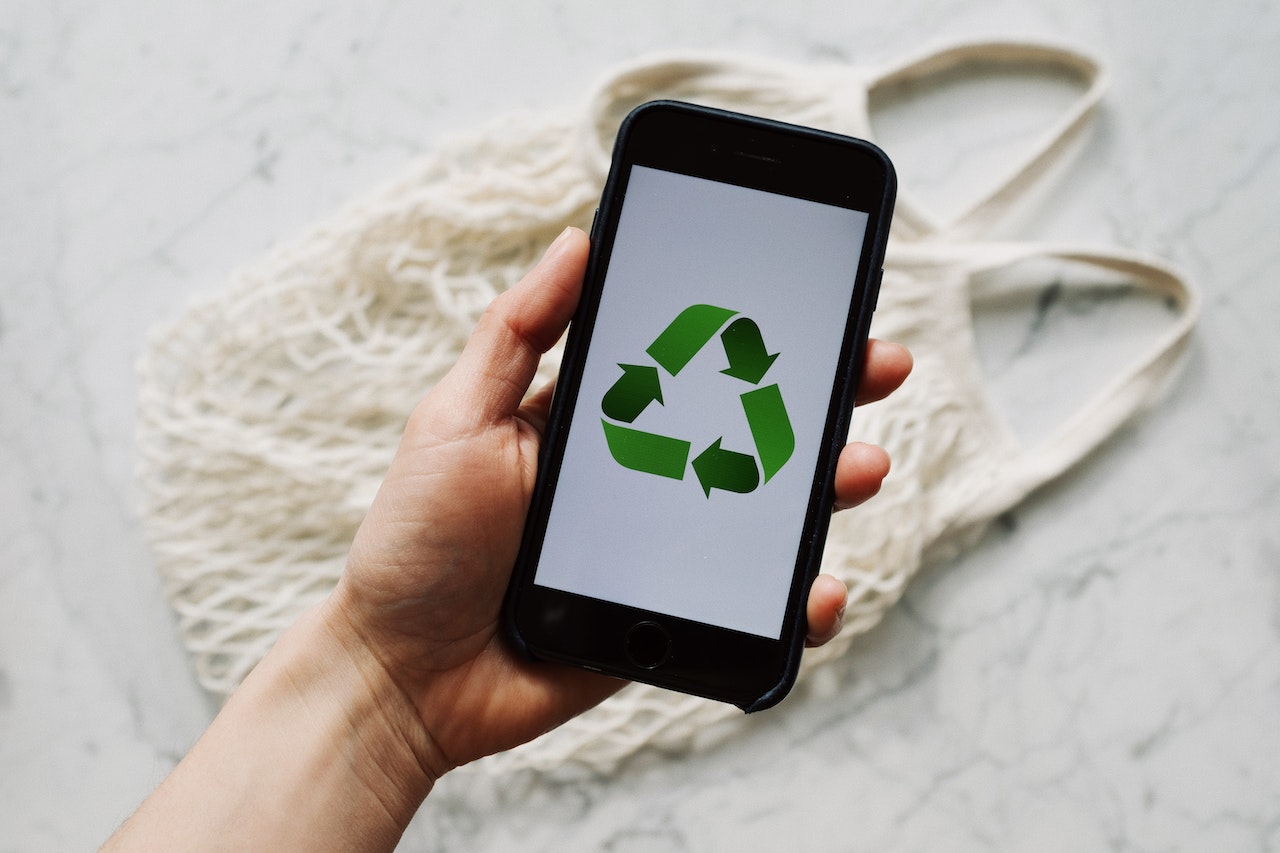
column 1101, row 673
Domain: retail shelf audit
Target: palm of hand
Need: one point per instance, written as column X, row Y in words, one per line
column 429, row 570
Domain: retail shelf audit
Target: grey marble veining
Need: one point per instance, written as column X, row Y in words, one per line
column 1102, row 672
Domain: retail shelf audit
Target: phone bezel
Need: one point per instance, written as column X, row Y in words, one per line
column 750, row 671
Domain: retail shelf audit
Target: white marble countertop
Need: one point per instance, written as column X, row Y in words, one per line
column 1101, row 673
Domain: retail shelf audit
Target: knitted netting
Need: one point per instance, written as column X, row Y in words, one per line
column 270, row 410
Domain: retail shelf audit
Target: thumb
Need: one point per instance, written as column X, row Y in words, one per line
column 495, row 369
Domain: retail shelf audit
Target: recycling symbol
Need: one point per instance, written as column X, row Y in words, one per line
column 716, row 467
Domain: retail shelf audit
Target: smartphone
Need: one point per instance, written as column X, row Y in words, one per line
column 686, row 480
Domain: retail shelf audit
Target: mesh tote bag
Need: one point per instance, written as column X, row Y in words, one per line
column 270, row 410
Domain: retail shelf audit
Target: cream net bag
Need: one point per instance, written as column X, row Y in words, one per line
column 270, row 411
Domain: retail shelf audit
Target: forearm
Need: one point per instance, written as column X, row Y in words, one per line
column 315, row 751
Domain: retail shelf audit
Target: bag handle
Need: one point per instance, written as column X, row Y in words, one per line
column 1050, row 151
column 1138, row 385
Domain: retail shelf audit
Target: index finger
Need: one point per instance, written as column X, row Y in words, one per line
column 885, row 367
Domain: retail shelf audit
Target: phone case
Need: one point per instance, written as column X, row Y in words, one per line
column 818, row 517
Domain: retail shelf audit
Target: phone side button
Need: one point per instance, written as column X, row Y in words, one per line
column 648, row 645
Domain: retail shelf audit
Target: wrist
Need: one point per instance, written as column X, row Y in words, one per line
column 317, row 750
column 328, row 668
column 330, row 747
column 329, row 743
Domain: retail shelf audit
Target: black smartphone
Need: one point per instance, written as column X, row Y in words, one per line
column 686, row 481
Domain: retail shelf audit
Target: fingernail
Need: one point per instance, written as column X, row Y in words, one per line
column 558, row 244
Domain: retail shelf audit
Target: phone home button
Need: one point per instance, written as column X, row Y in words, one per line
column 647, row 645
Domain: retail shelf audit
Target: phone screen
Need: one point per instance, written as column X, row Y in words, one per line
column 690, row 459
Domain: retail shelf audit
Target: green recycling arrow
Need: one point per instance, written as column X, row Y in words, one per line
column 718, row 468
column 647, row 451
column 686, row 335
column 635, row 389
column 744, row 347
column 715, row 467
column 770, row 427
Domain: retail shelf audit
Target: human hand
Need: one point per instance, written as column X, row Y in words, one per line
column 338, row 734
column 425, row 579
